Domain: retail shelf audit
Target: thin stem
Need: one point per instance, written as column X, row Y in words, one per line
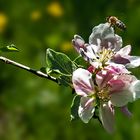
column 36, row 72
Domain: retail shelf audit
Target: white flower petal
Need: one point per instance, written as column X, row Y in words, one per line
column 105, row 34
column 96, row 64
column 118, row 43
column 106, row 113
column 90, row 52
column 134, row 61
column 100, row 31
column 135, row 88
column 121, row 98
column 82, row 82
column 125, row 50
column 86, row 109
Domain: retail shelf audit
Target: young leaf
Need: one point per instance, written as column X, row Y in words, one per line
column 60, row 62
column 9, row 48
column 74, row 108
column 65, row 80
column 80, row 62
column 60, row 65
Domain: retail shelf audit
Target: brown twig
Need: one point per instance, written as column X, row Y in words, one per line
column 36, row 72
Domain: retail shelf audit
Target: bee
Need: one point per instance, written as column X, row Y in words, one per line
column 114, row 21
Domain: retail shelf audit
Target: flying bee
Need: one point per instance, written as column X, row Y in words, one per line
column 115, row 22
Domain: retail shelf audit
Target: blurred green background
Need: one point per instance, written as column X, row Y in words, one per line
column 32, row 108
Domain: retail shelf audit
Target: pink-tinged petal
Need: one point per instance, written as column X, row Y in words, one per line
column 120, row 82
column 82, row 82
column 78, row 42
column 102, row 77
column 125, row 94
column 135, row 88
column 134, row 61
column 123, row 57
column 125, row 111
column 86, row 109
column 106, row 113
column 116, row 85
column 91, row 69
column 117, row 68
column 120, row 59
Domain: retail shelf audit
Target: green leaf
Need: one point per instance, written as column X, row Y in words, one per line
column 60, row 66
column 65, row 80
column 74, row 107
column 9, row 48
column 80, row 62
column 60, row 62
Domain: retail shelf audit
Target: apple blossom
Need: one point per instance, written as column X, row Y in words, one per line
column 105, row 47
column 111, row 87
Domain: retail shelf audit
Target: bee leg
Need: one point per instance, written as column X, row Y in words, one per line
column 110, row 25
column 114, row 27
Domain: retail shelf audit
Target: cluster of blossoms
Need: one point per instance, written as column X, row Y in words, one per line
column 106, row 83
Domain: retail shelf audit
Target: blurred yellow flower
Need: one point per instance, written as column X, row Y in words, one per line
column 3, row 22
column 55, row 9
column 66, row 46
column 35, row 15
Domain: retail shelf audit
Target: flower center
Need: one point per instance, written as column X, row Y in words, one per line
column 103, row 94
column 105, row 55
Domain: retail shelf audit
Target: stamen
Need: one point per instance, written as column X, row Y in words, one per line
column 105, row 55
column 104, row 94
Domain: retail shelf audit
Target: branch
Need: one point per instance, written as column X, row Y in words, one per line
column 36, row 72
